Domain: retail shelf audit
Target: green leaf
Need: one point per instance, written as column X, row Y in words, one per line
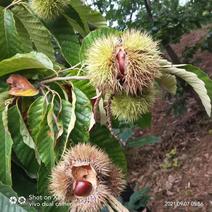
column 24, row 36
column 57, row 87
column 8, row 192
column 9, row 39
column 41, row 132
column 86, row 87
column 92, row 36
column 83, row 111
column 32, row 60
column 45, row 144
column 101, row 136
column 57, row 209
column 68, row 119
column 38, row 33
column 124, row 133
column 23, row 144
column 78, row 27
column 22, row 180
column 67, row 39
column 36, row 114
column 43, row 179
column 145, row 121
column 5, row 3
column 95, row 19
column 139, row 199
column 194, row 81
column 139, row 142
column 87, row 15
column 51, row 118
column 168, row 82
column 6, row 206
column 5, row 149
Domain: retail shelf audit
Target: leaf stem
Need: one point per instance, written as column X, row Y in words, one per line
column 75, row 67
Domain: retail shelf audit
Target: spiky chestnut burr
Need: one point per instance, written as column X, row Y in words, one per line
column 129, row 63
column 86, row 178
column 48, row 9
column 130, row 108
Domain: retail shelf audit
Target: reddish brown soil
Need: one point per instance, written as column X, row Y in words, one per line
column 190, row 182
column 201, row 59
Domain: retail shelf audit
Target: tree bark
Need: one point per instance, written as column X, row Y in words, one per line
column 170, row 51
column 149, row 9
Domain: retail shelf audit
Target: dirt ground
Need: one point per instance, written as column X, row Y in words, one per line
column 178, row 170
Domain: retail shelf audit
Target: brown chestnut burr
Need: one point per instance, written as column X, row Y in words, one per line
column 86, row 179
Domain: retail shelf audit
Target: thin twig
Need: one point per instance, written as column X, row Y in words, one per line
column 54, row 79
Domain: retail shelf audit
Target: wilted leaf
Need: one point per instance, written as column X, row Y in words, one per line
column 20, row 86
